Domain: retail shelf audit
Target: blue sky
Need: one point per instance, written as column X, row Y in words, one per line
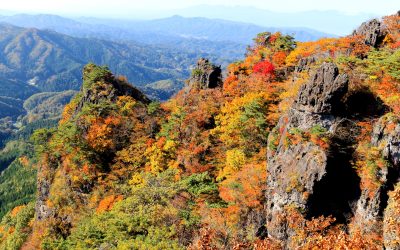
column 129, row 7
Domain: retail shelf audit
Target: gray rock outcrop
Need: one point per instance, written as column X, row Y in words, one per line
column 324, row 91
column 372, row 32
column 205, row 75
column 42, row 210
column 295, row 170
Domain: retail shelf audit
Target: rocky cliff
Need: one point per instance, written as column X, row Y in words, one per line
column 300, row 174
column 316, row 176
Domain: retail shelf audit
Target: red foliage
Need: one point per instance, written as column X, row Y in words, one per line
column 265, row 68
column 395, row 45
column 273, row 38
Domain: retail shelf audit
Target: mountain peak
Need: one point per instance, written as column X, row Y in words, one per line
column 99, row 83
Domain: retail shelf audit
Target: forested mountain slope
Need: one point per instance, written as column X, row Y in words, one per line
column 34, row 61
column 51, row 61
column 298, row 147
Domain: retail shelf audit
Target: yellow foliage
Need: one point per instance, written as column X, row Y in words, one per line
column 67, row 112
column 230, row 122
column 235, row 159
column 136, row 180
column 161, row 155
column 126, row 105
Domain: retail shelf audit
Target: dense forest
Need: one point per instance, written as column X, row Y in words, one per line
column 296, row 148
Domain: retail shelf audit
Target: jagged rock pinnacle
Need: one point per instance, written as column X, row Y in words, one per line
column 205, row 75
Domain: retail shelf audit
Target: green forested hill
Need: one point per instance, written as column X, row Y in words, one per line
column 50, row 61
column 12, row 94
column 10, row 107
column 46, row 105
column 53, row 62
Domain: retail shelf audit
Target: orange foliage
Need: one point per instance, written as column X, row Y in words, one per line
column 388, row 90
column 279, row 58
column 108, row 202
column 101, row 132
column 392, row 24
column 219, row 131
column 16, row 210
column 24, row 160
column 322, row 233
column 245, row 186
column 328, row 47
column 67, row 112
column 392, row 220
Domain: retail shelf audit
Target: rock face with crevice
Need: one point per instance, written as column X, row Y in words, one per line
column 372, row 204
column 301, row 175
column 205, row 75
column 319, row 179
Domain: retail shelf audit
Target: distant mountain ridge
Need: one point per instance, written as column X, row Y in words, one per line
column 158, row 31
column 329, row 21
column 222, row 30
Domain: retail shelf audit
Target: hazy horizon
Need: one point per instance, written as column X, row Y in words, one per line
column 105, row 8
column 338, row 18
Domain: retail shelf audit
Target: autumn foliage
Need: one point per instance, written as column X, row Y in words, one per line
column 264, row 68
column 191, row 172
